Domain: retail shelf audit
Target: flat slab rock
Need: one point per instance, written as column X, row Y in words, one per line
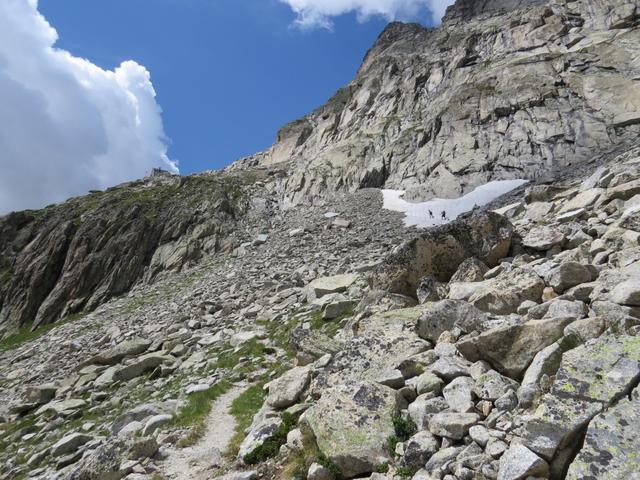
column 611, row 447
column 326, row 285
column 510, row 349
column 590, row 379
column 352, row 425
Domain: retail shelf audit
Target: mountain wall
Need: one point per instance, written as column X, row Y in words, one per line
column 503, row 89
column 74, row 256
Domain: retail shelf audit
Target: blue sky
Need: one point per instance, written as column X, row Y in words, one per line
column 99, row 92
column 228, row 73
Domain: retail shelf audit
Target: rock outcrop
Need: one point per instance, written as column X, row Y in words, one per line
column 74, row 256
column 502, row 89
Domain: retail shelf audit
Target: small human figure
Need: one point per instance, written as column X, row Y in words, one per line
column 443, row 215
column 430, row 214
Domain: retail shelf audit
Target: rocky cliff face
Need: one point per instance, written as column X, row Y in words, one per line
column 503, row 89
column 74, row 256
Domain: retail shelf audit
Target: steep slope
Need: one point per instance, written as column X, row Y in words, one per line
column 503, row 89
column 76, row 255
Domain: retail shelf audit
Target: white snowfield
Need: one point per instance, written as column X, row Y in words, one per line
column 418, row 213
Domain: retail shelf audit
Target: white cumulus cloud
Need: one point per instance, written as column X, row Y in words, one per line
column 67, row 125
column 318, row 13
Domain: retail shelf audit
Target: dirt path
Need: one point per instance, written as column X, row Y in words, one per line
column 202, row 460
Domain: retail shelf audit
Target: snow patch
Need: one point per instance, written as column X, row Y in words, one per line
column 418, row 213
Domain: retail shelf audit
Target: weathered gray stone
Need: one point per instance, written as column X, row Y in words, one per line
column 355, row 435
column 471, row 270
column 543, row 238
column 392, row 378
column 335, row 309
column 155, row 422
column 326, row 285
column 459, row 394
column 450, row 367
column 446, row 315
column 429, row 383
column 519, row 463
column 286, row 390
column 261, row 432
column 113, row 355
column 424, row 407
column 318, row 472
column 511, row 349
column 452, row 425
column 627, row 293
column 438, row 252
column 567, row 275
column 140, row 366
column 419, row 448
column 491, row 385
column 506, row 293
column 63, row 407
column 610, row 449
column 69, row 443
column 590, row 378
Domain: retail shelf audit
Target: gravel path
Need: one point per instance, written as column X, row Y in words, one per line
column 205, row 458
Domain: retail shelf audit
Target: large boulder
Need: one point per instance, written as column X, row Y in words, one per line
column 380, row 344
column 610, row 449
column 286, row 390
column 352, row 425
column 627, row 293
column 140, row 366
column 519, row 463
column 69, row 443
column 262, row 430
column 543, row 238
column 452, row 425
column 124, row 349
column 328, row 285
column 507, row 292
column 438, row 252
column 447, row 314
column 510, row 349
column 567, row 275
column 590, row 379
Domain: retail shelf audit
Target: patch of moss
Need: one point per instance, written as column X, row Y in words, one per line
column 328, row 327
column 406, row 472
column 404, row 428
column 243, row 409
column 194, row 413
column 25, row 334
column 271, row 447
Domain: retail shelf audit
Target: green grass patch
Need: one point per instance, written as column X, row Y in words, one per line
column 194, row 413
column 406, row 472
column 243, row 409
column 26, row 335
column 404, row 429
column 271, row 447
column 328, row 327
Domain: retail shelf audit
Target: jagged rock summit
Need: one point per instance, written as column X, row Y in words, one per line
column 501, row 90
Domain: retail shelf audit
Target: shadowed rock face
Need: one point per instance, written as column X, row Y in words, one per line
column 438, row 252
column 503, row 89
column 76, row 255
